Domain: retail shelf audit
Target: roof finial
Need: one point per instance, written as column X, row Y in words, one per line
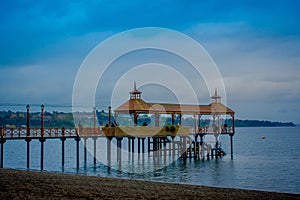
column 216, row 98
column 134, row 85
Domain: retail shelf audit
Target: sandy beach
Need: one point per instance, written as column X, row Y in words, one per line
column 21, row 184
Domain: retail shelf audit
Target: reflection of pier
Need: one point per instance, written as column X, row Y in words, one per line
column 167, row 142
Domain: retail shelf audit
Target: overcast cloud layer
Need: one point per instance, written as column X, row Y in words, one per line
column 255, row 44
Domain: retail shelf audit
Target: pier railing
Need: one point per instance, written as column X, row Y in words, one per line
column 124, row 131
column 48, row 132
column 211, row 130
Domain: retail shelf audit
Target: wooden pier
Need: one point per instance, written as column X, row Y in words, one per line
column 158, row 141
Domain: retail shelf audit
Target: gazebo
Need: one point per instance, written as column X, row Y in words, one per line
column 135, row 106
column 161, row 134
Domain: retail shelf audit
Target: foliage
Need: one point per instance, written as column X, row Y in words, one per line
column 60, row 119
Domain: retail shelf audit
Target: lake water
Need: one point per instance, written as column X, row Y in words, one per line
column 270, row 164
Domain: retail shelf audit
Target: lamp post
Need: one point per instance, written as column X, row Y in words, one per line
column 28, row 121
column 42, row 120
column 109, row 115
column 94, row 110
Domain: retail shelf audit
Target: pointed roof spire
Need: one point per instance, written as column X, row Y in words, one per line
column 135, row 94
column 216, row 98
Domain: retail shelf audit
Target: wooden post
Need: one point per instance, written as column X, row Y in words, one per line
column 77, row 139
column 28, row 121
column 143, row 145
column 85, row 150
column 173, row 146
column 95, row 149
column 156, row 115
column 184, row 147
column 42, row 140
column 129, row 145
column 119, row 146
column 108, row 150
column 149, row 145
column 63, row 139
column 28, row 151
column 135, row 116
column 132, row 141
column 139, row 146
column 42, row 120
column 109, row 115
column 95, row 117
column 231, row 137
column 180, row 118
column 2, row 151
column 173, row 119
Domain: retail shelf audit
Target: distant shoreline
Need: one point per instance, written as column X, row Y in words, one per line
column 65, row 119
column 24, row 184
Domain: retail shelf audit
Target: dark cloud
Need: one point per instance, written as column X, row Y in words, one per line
column 255, row 44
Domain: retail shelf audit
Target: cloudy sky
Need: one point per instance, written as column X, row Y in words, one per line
column 255, row 44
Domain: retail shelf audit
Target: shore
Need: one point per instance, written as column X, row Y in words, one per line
column 21, row 184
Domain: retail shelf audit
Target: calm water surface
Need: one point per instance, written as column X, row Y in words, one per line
column 270, row 164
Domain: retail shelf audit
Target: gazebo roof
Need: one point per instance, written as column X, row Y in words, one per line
column 137, row 105
column 140, row 106
column 133, row 105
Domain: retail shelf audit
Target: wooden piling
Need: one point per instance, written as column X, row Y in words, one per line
column 28, row 151
column 85, row 150
column 143, row 145
column 95, row 149
column 108, row 147
column 42, row 141
column 63, row 139
column 2, row 141
column 231, row 145
column 77, row 139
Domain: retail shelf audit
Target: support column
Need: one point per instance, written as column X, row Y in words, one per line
column 108, row 141
column 184, row 147
column 42, row 120
column 149, row 145
column 132, row 142
column 201, row 146
column 28, row 121
column 173, row 119
column 180, row 118
column 119, row 146
column 42, row 140
column 85, row 150
column 77, row 139
column 2, row 141
column 129, row 144
column 139, row 146
column 143, row 145
column 231, row 137
column 28, row 140
column 95, row 149
column 109, row 115
column 95, row 117
column 173, row 146
column 195, row 146
column 63, row 139
column 231, row 145
column 135, row 116
column 156, row 115
column 195, row 124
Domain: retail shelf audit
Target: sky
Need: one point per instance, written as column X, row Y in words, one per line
column 255, row 45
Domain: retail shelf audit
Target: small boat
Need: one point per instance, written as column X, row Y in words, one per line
column 263, row 137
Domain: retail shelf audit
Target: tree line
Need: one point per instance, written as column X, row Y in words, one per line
column 61, row 119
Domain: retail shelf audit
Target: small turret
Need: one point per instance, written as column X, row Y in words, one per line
column 135, row 94
column 216, row 98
